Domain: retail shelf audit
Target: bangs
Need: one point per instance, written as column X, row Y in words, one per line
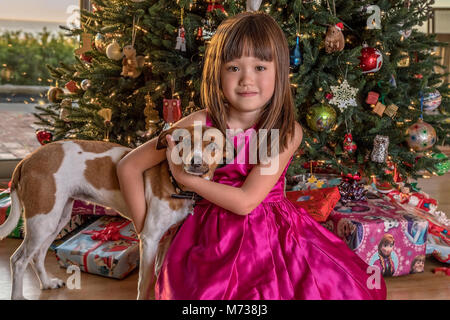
column 251, row 38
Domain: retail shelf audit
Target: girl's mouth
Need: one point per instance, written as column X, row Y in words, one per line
column 247, row 94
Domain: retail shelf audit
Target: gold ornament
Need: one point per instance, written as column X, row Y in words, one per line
column 106, row 114
column 404, row 61
column 151, row 115
column 391, row 110
column 379, row 108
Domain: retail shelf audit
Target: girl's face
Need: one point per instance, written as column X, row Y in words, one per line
column 248, row 83
column 386, row 249
column 419, row 266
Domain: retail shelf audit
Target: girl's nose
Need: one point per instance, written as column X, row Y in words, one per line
column 246, row 78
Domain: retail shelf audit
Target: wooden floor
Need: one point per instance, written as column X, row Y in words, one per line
column 427, row 285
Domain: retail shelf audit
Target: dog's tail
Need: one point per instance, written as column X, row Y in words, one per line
column 13, row 219
column 16, row 208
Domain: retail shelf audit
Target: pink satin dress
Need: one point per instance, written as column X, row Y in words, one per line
column 275, row 252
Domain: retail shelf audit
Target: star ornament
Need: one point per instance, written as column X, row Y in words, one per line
column 344, row 95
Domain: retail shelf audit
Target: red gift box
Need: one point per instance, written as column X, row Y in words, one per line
column 317, row 202
column 372, row 97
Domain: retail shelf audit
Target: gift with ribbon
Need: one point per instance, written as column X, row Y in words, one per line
column 317, row 202
column 81, row 207
column 108, row 247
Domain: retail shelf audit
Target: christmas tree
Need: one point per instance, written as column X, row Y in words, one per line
column 363, row 79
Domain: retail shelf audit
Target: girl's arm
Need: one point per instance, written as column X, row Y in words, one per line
column 131, row 168
column 240, row 200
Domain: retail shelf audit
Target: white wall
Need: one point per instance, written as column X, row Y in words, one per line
column 443, row 18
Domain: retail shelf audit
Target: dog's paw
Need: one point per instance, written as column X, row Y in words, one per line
column 54, row 283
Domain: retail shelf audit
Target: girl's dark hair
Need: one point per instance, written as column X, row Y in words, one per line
column 250, row 34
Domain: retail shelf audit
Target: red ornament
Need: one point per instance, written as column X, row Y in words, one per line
column 418, row 76
column 371, row 59
column 349, row 145
column 44, row 136
column 372, row 97
column 171, row 110
column 72, row 86
column 329, row 96
column 86, row 57
column 212, row 5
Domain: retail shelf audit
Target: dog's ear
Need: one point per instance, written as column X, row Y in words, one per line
column 162, row 142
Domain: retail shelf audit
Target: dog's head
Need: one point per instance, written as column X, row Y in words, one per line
column 201, row 149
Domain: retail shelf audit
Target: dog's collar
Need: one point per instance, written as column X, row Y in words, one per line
column 180, row 194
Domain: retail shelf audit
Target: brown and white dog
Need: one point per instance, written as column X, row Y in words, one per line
column 46, row 182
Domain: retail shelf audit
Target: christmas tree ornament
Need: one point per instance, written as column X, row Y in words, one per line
column 404, row 60
column 391, row 110
column 213, row 5
column 420, row 136
column 443, row 166
column 372, row 97
column 296, row 56
column 54, row 95
column 181, row 39
column 72, row 86
column 85, row 84
column 113, row 51
column 371, row 59
column 44, row 136
column 131, row 64
column 253, row 5
column 380, row 149
column 344, row 95
column 100, row 42
column 86, row 41
column 374, row 20
column 392, row 81
column 106, row 114
column 334, row 38
column 379, row 108
column 432, row 100
column 321, row 117
column 171, row 110
column 86, row 57
column 151, row 114
column 349, row 145
column 64, row 110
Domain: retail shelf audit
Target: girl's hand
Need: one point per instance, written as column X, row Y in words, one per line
column 177, row 169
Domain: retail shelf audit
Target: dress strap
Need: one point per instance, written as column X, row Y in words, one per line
column 208, row 121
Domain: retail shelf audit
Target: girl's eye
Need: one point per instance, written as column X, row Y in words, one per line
column 233, row 68
column 260, row 68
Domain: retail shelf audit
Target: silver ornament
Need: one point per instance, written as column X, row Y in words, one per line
column 380, row 149
column 253, row 5
column 113, row 51
column 85, row 84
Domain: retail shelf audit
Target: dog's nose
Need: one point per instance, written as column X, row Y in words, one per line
column 196, row 161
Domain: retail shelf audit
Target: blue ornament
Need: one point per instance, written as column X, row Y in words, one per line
column 296, row 56
column 392, row 82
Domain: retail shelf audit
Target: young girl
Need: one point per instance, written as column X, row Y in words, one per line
column 245, row 240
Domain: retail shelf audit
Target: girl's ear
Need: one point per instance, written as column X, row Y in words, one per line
column 162, row 142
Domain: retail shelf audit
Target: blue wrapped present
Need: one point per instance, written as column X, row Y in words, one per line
column 108, row 247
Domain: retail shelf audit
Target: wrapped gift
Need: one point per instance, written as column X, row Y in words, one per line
column 5, row 209
column 84, row 207
column 318, row 202
column 312, row 181
column 383, row 234
column 108, row 247
column 76, row 222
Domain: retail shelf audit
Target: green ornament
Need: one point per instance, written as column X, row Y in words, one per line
column 321, row 117
column 442, row 167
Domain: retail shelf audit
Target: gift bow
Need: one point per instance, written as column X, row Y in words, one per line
column 110, row 233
